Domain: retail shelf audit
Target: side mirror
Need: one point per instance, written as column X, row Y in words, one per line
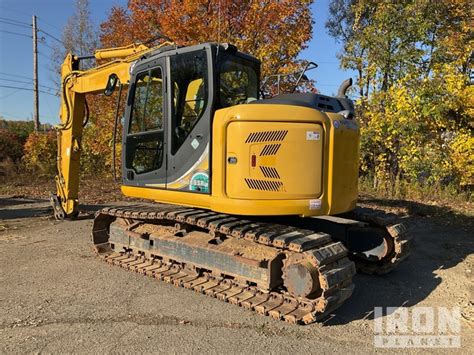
column 111, row 84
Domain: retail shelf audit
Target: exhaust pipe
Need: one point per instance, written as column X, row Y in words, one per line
column 346, row 84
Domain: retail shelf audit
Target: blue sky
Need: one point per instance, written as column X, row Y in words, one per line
column 16, row 68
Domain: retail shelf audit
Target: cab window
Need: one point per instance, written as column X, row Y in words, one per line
column 189, row 94
column 145, row 146
column 147, row 111
column 238, row 81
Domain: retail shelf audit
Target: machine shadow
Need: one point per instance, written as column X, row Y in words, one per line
column 440, row 243
column 17, row 208
column 17, row 200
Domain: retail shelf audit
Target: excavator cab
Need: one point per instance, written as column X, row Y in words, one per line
column 171, row 102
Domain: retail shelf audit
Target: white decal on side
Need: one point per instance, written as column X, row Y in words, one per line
column 313, row 136
column 314, row 204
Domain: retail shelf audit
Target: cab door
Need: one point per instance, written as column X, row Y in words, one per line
column 190, row 120
column 144, row 148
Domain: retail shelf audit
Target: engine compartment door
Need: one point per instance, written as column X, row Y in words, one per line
column 277, row 160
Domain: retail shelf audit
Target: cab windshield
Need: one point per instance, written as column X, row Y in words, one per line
column 238, row 80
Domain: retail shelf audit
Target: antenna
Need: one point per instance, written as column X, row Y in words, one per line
column 218, row 26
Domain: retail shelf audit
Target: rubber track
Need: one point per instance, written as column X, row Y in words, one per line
column 336, row 270
column 402, row 239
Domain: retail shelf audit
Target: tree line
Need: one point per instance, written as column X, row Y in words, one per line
column 413, row 60
column 414, row 92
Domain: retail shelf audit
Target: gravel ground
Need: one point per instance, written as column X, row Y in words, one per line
column 56, row 296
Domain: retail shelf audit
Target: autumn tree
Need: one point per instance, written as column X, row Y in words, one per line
column 415, row 98
column 10, row 145
column 80, row 37
column 40, row 153
column 273, row 31
column 341, row 26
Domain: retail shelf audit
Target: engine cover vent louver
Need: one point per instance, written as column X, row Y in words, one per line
column 264, row 185
column 270, row 172
column 270, row 149
column 266, row 136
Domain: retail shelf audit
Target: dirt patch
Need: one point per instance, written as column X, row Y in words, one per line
column 58, row 297
column 90, row 191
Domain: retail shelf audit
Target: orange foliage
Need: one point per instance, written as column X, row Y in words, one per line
column 40, row 153
column 97, row 140
column 273, row 31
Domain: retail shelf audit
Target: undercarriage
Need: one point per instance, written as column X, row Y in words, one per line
column 281, row 270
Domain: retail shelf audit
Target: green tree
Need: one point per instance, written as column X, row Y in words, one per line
column 20, row 128
column 415, row 99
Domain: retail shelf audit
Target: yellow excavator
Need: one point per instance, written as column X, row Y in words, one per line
column 252, row 200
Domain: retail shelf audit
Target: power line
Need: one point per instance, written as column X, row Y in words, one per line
column 12, row 92
column 43, row 42
column 14, row 24
column 16, row 33
column 28, row 24
column 15, row 75
column 49, row 24
column 26, row 89
column 28, row 82
column 14, row 87
column 50, row 35
column 20, row 22
column 17, row 11
column 17, row 81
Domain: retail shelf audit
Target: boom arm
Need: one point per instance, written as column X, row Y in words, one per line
column 75, row 85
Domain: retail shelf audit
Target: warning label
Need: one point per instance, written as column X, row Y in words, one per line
column 313, row 136
column 314, row 204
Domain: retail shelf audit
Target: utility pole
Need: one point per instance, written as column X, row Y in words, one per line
column 35, row 75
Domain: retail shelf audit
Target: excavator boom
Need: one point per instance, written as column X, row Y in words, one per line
column 75, row 85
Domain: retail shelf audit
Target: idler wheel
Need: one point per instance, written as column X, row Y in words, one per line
column 301, row 278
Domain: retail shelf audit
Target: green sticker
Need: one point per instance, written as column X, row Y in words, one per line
column 199, row 182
